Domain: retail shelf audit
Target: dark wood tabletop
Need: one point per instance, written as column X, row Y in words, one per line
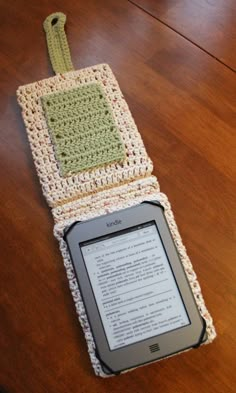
column 175, row 67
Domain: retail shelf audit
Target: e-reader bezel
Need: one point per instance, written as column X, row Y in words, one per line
column 136, row 354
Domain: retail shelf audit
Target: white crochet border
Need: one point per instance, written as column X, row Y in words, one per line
column 124, row 197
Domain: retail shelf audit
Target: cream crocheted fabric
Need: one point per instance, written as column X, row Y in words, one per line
column 91, row 160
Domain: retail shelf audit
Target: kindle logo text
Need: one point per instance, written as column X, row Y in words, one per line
column 116, row 222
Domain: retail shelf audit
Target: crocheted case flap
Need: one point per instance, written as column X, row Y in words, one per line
column 107, row 202
column 51, row 163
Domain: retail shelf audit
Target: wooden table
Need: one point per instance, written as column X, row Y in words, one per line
column 179, row 81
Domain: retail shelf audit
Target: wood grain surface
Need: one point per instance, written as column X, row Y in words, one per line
column 210, row 24
column 183, row 101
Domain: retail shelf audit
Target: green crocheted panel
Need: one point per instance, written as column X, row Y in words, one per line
column 82, row 129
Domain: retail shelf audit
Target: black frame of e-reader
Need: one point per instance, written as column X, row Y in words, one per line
column 150, row 349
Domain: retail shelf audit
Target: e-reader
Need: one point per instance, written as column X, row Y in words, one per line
column 135, row 291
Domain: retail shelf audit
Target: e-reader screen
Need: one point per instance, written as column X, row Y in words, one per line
column 133, row 284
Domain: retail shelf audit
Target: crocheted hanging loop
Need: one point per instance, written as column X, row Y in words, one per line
column 58, row 47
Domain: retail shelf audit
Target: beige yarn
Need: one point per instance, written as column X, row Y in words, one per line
column 99, row 190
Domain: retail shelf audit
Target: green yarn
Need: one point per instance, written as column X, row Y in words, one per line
column 82, row 129
column 58, row 48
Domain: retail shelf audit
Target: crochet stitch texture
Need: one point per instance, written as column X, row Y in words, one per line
column 82, row 129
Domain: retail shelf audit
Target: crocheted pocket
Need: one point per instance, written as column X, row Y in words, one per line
column 82, row 129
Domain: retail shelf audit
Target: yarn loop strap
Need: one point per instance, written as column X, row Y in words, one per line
column 57, row 44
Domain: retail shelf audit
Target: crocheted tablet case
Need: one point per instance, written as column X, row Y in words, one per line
column 89, row 156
